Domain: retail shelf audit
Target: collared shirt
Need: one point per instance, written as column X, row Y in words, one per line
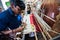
column 8, row 19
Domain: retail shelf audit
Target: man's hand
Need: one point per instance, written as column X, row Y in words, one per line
column 7, row 32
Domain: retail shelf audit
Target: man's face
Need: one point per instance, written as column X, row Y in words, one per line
column 0, row 9
column 18, row 10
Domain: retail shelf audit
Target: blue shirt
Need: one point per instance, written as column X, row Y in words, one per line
column 8, row 19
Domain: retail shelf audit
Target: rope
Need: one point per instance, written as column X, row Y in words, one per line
column 54, row 31
column 46, row 32
column 49, row 18
column 41, row 31
column 35, row 35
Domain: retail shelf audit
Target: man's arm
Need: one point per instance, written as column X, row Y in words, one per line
column 20, row 28
column 2, row 24
column 15, row 30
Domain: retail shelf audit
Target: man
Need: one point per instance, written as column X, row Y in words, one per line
column 10, row 18
column 28, row 9
column 0, row 9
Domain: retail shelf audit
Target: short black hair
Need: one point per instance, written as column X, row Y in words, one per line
column 19, row 3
